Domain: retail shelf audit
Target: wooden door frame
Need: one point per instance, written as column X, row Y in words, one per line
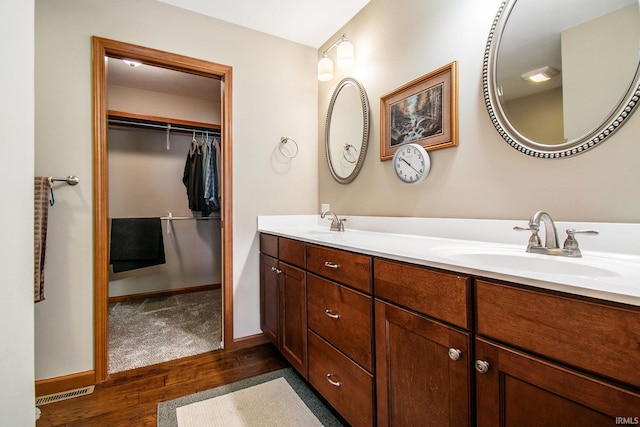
column 101, row 49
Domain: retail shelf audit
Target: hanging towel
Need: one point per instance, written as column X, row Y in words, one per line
column 41, row 217
column 136, row 243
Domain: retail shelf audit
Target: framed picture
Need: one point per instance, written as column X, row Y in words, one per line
column 424, row 111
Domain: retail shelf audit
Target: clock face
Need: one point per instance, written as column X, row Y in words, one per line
column 411, row 163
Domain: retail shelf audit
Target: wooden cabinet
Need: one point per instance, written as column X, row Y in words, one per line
column 450, row 349
column 423, row 365
column 343, row 383
column 269, row 298
column 283, row 312
column 519, row 389
column 550, row 359
column 340, row 321
column 418, row 380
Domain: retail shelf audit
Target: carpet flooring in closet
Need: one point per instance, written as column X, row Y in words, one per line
column 155, row 330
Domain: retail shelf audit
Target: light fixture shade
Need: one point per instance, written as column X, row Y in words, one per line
column 325, row 69
column 541, row 74
column 345, row 54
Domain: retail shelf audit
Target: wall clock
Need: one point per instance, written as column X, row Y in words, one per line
column 411, row 163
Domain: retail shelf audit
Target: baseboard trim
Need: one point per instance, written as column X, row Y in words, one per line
column 250, row 341
column 162, row 294
column 66, row 382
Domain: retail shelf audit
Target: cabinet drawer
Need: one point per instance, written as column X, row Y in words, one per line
column 344, row 384
column 269, row 245
column 351, row 269
column 291, row 251
column 589, row 335
column 341, row 316
column 436, row 294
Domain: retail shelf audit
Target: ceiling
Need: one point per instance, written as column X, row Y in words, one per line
column 308, row 22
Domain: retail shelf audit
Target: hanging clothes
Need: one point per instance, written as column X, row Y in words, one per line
column 211, row 171
column 218, row 169
column 192, row 177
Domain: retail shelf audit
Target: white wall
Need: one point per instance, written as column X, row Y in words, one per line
column 274, row 95
column 16, row 217
column 398, row 41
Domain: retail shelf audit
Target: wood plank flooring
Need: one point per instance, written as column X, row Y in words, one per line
column 131, row 398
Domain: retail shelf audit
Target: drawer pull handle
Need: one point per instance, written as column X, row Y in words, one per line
column 332, row 382
column 331, row 265
column 482, row 366
column 454, row 354
column 332, row 315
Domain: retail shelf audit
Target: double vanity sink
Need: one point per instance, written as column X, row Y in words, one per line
column 607, row 270
column 418, row 321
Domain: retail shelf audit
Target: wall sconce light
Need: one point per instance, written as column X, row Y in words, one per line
column 345, row 58
column 541, row 74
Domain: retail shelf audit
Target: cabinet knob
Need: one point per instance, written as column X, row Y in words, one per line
column 482, row 366
column 332, row 382
column 332, row 315
column 276, row 270
column 454, row 354
column 330, row 264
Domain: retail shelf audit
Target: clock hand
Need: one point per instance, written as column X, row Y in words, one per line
column 404, row 160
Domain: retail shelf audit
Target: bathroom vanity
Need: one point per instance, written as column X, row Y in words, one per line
column 394, row 328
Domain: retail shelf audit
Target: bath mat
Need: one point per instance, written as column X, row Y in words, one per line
column 279, row 398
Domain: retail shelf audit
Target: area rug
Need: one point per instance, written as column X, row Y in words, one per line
column 156, row 330
column 280, row 398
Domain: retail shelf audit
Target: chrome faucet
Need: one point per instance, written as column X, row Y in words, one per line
column 551, row 247
column 337, row 224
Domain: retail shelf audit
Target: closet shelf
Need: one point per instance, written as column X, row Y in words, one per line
column 141, row 120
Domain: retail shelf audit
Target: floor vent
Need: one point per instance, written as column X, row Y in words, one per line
column 57, row 397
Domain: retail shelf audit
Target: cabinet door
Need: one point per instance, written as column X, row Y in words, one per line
column 418, row 383
column 518, row 389
column 293, row 317
column 269, row 297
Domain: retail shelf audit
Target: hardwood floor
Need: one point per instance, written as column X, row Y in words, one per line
column 131, row 398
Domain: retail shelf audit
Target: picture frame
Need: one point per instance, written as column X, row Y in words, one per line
column 423, row 111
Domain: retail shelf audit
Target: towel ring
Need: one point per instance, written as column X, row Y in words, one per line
column 284, row 141
column 348, row 147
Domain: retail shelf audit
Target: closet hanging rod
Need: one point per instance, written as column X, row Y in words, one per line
column 166, row 126
column 172, row 218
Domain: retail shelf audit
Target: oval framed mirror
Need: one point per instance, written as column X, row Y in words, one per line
column 586, row 54
column 347, row 130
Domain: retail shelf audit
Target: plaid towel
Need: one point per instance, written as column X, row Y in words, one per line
column 41, row 217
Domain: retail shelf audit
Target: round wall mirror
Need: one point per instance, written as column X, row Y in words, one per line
column 347, row 130
column 562, row 76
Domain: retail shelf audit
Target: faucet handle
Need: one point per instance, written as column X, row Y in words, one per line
column 534, row 240
column 571, row 244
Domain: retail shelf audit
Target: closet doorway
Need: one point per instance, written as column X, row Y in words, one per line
column 179, row 133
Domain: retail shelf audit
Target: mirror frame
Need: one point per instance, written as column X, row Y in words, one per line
column 602, row 131
column 364, row 102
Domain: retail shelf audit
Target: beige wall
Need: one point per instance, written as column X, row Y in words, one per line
column 526, row 114
column 16, row 217
column 145, row 180
column 274, row 95
column 398, row 41
column 598, row 61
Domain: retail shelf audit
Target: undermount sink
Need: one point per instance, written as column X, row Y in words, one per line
column 523, row 261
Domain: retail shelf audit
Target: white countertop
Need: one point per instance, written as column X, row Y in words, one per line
column 608, row 270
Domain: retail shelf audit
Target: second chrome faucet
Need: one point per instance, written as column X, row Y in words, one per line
column 337, row 224
column 551, row 246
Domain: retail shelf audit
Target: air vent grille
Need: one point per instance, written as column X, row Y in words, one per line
column 64, row 395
